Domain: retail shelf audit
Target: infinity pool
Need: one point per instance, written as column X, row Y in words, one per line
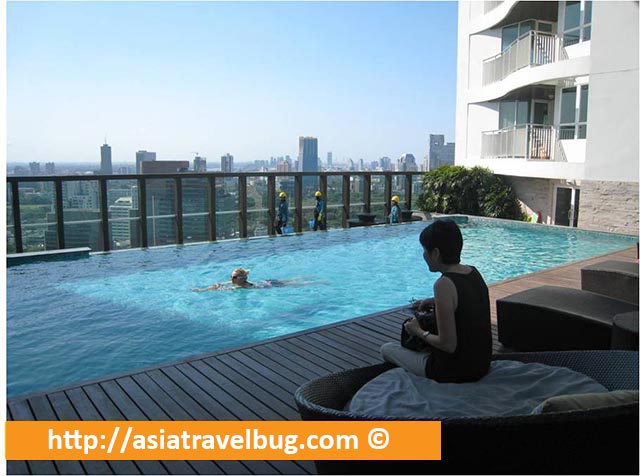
column 75, row 320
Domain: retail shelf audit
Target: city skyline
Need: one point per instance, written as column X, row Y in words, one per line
column 170, row 82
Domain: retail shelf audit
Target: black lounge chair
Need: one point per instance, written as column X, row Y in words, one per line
column 598, row 441
column 616, row 279
column 557, row 318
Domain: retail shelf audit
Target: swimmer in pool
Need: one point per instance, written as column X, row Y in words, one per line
column 239, row 280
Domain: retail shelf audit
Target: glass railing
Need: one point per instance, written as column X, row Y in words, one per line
column 522, row 141
column 532, row 49
column 112, row 212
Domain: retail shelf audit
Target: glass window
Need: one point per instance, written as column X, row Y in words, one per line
column 509, row 35
column 526, row 27
column 568, row 106
column 545, row 27
column 572, row 15
column 507, row 114
column 587, row 12
column 522, row 116
column 586, row 33
column 584, row 103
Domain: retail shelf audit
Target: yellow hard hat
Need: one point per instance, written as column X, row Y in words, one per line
column 395, row 198
column 318, row 194
column 283, row 195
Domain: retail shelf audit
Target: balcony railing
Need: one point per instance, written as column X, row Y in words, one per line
column 110, row 212
column 522, row 141
column 533, row 49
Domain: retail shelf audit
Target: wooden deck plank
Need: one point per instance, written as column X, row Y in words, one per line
column 42, row 410
column 340, row 348
column 204, row 399
column 161, row 398
column 191, row 406
column 231, row 381
column 240, row 411
column 64, row 411
column 142, row 399
column 254, row 382
column 262, row 375
column 122, row 401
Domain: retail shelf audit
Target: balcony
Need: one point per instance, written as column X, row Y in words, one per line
column 111, row 212
column 522, row 141
column 533, row 49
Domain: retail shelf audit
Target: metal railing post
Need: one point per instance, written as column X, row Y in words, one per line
column 142, row 208
column 388, row 186
column 242, row 204
column 211, row 202
column 57, row 183
column 179, row 218
column 271, row 204
column 346, row 199
column 366, row 195
column 104, row 214
column 408, row 186
column 17, row 224
column 297, row 191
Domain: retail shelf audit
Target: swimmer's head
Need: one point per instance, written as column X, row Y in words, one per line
column 240, row 274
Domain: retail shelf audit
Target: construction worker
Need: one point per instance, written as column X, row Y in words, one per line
column 282, row 213
column 395, row 215
column 319, row 216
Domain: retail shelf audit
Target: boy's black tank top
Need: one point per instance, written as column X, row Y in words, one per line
column 472, row 357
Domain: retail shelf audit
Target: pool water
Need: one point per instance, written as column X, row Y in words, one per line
column 76, row 320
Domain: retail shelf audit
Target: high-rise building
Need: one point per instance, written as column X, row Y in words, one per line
column 549, row 121
column 50, row 168
column 308, row 159
column 105, row 159
column 308, row 153
column 284, row 165
column 385, row 163
column 407, row 163
column 34, row 168
column 164, row 166
column 143, row 156
column 120, row 214
column 329, row 159
column 439, row 152
column 199, row 164
column 226, row 163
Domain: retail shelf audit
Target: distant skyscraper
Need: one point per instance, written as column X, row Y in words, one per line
column 199, row 164
column 407, row 163
column 308, row 158
column 34, row 168
column 283, row 165
column 226, row 163
column 50, row 168
column 385, row 163
column 308, row 153
column 164, row 166
column 142, row 156
column 105, row 159
column 329, row 159
column 439, row 152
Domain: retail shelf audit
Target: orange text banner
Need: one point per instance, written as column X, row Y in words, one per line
column 231, row 440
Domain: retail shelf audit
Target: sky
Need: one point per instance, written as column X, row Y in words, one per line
column 368, row 79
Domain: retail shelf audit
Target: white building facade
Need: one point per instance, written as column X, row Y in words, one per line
column 548, row 98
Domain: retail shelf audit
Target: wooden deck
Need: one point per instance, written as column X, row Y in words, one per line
column 254, row 382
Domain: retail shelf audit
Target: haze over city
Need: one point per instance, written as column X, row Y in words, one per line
column 367, row 79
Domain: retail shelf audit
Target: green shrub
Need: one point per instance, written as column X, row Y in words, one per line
column 470, row 191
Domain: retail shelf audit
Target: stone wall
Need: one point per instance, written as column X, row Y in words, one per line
column 535, row 195
column 609, row 206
